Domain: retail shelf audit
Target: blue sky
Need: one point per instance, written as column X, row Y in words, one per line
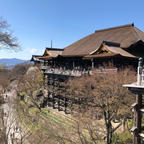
column 36, row 22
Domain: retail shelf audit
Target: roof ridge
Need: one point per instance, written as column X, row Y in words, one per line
column 139, row 37
column 57, row 49
column 127, row 25
column 109, row 43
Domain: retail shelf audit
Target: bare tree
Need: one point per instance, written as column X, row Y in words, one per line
column 9, row 118
column 103, row 95
column 11, row 125
column 7, row 41
column 4, row 82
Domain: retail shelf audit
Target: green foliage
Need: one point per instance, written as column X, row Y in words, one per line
column 43, row 123
column 104, row 93
column 123, row 138
column 130, row 124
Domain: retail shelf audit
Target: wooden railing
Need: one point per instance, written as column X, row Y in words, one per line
column 43, row 67
column 75, row 72
column 105, row 70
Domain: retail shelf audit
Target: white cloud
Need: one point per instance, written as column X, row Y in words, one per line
column 33, row 51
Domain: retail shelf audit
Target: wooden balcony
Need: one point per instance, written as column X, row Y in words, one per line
column 43, row 67
column 104, row 70
column 76, row 72
column 73, row 73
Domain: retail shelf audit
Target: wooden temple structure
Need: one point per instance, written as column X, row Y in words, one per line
column 138, row 107
column 121, row 45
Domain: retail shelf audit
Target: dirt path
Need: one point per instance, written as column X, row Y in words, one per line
column 14, row 131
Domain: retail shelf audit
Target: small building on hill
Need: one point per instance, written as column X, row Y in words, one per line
column 51, row 53
column 36, row 60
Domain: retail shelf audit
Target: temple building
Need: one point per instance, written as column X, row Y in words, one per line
column 121, row 45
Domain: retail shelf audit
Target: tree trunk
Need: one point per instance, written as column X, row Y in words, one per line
column 109, row 133
column 108, row 128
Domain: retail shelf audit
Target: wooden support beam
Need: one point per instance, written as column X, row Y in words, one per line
column 137, row 120
column 73, row 64
column 92, row 61
column 59, row 102
column 65, row 105
column 48, row 98
column 53, row 101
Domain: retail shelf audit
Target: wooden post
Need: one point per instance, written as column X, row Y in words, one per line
column 59, row 102
column 71, row 104
column 137, row 119
column 44, row 79
column 92, row 63
column 139, row 90
column 53, row 100
column 65, row 105
column 48, row 99
column 139, row 75
column 47, row 82
column 73, row 64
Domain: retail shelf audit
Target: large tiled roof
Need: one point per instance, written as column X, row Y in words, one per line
column 124, row 35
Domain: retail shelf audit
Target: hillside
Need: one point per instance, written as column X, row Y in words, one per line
column 9, row 63
column 37, row 121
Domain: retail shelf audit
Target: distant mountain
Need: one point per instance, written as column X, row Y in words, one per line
column 9, row 63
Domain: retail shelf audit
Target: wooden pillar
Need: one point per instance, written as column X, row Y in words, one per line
column 59, row 102
column 71, row 104
column 73, row 64
column 48, row 98
column 53, row 100
column 47, row 82
column 53, row 91
column 53, row 63
column 44, row 80
column 65, row 105
column 92, row 63
column 44, row 63
column 137, row 119
column 139, row 90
